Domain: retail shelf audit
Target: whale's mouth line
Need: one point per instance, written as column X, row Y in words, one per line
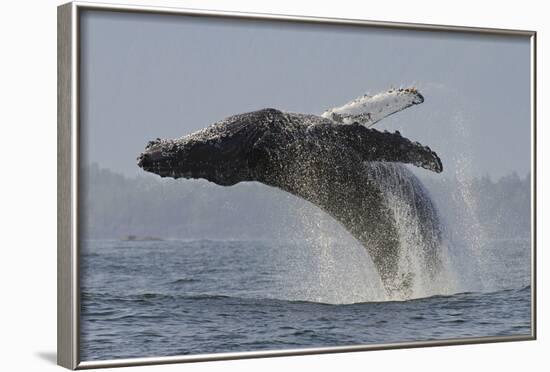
column 170, row 169
column 157, row 168
column 166, row 171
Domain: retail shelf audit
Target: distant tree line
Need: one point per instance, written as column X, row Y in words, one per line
column 116, row 206
column 501, row 208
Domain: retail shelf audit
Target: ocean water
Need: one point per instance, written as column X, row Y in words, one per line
column 180, row 297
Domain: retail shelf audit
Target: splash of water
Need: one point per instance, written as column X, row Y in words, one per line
column 335, row 268
column 327, row 264
column 472, row 256
column 423, row 255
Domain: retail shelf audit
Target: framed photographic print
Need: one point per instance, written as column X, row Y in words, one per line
column 235, row 185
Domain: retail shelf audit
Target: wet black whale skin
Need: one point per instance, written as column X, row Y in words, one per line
column 339, row 168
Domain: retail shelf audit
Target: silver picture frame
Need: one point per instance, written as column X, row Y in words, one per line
column 68, row 286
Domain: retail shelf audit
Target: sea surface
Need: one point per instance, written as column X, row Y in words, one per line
column 181, row 297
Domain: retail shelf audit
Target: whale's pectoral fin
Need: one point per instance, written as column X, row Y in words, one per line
column 368, row 110
column 374, row 145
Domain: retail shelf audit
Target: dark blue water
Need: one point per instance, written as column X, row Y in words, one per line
column 144, row 299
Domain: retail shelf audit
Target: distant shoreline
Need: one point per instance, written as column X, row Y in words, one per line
column 135, row 238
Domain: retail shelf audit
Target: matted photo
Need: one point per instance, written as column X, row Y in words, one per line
column 252, row 185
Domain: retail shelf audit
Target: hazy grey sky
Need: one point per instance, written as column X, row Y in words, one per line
column 146, row 76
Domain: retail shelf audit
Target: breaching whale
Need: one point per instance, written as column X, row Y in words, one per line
column 334, row 161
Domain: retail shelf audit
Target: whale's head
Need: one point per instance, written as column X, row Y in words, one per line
column 223, row 153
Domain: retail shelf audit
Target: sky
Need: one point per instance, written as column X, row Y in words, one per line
column 145, row 76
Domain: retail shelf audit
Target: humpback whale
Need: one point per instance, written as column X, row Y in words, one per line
column 335, row 161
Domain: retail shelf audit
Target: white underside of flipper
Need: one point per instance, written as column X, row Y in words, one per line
column 368, row 110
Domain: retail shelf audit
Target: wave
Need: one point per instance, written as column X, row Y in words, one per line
column 184, row 280
column 153, row 297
